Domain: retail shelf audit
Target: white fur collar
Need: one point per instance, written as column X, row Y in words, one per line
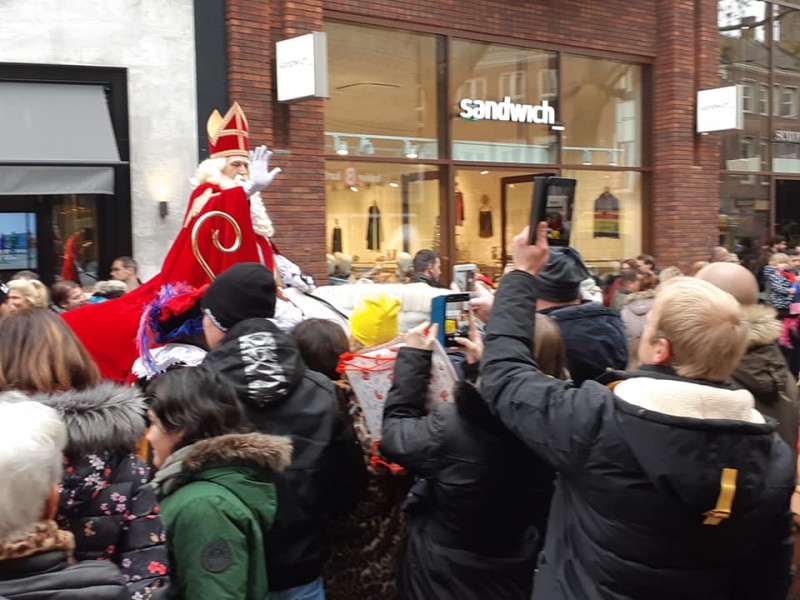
column 686, row 399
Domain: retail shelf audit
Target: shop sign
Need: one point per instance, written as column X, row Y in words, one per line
column 505, row 110
column 792, row 137
column 302, row 67
column 720, row 109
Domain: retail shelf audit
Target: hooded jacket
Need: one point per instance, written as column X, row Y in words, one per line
column 217, row 509
column 594, row 338
column 764, row 373
column 668, row 487
column 282, row 397
column 104, row 500
column 478, row 533
column 634, row 317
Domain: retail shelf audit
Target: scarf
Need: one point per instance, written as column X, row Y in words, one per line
column 168, row 478
column 46, row 537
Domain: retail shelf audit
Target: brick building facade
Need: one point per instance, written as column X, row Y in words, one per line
column 675, row 42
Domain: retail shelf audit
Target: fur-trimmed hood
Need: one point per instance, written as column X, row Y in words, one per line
column 762, row 325
column 271, row 452
column 108, row 417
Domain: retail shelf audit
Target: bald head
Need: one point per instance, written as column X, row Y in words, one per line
column 732, row 278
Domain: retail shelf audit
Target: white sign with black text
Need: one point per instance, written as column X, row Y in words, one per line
column 302, row 67
column 720, row 109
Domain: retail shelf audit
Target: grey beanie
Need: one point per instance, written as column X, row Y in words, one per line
column 560, row 281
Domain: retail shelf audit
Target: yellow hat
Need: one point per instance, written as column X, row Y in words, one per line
column 374, row 319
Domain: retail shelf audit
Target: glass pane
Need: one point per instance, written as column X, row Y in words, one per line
column 75, row 238
column 504, row 101
column 608, row 215
column 786, row 57
column 382, row 93
column 376, row 210
column 744, row 215
column 602, row 107
column 18, row 244
column 744, row 60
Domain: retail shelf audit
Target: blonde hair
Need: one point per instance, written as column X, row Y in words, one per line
column 32, row 290
column 703, row 326
column 548, row 347
column 778, row 258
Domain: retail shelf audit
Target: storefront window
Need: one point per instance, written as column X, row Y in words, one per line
column 75, row 244
column 382, row 93
column 602, row 112
column 18, row 242
column 607, row 216
column 744, row 213
column 505, row 100
column 744, row 56
column 377, row 210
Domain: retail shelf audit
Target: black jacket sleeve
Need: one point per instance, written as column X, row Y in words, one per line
column 553, row 419
column 770, row 577
column 411, row 438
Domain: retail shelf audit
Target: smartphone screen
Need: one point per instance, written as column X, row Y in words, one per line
column 452, row 312
column 560, row 202
column 464, row 276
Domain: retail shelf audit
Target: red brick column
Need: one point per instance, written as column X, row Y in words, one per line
column 685, row 209
column 296, row 201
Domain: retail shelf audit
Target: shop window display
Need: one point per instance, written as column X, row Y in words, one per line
column 377, row 210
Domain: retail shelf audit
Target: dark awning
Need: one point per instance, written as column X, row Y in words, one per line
column 58, row 139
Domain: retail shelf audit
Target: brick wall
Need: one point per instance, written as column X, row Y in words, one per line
column 680, row 36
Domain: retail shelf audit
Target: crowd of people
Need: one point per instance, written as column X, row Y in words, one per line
column 628, row 437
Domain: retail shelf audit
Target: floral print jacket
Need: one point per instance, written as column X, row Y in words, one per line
column 105, row 500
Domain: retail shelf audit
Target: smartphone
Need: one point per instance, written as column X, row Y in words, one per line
column 452, row 313
column 553, row 201
column 464, row 276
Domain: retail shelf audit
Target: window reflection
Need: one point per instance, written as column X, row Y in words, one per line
column 75, row 238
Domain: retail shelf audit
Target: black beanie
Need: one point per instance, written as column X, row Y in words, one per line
column 245, row 291
column 560, row 281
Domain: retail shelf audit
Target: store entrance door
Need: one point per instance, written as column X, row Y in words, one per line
column 787, row 208
column 516, row 194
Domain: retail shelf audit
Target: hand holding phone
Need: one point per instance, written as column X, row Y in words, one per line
column 464, row 276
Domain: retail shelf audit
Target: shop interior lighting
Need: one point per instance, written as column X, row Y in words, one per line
column 587, row 157
column 341, row 148
column 612, row 159
column 394, row 184
column 484, row 172
column 353, row 188
column 411, row 150
column 365, row 147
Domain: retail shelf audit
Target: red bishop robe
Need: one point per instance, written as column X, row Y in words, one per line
column 108, row 329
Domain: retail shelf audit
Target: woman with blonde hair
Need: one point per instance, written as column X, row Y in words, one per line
column 104, row 500
column 27, row 293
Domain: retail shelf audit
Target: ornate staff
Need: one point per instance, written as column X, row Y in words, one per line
column 215, row 239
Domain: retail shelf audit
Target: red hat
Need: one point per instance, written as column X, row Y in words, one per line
column 227, row 136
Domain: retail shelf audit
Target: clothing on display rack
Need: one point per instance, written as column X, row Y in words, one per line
column 374, row 228
column 485, row 227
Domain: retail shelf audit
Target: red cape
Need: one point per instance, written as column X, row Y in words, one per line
column 108, row 329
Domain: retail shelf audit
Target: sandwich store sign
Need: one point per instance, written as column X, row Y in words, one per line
column 506, row 110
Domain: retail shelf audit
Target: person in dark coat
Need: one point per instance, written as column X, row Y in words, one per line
column 762, row 369
column 478, row 531
column 282, row 397
column 36, row 557
column 427, row 269
column 671, row 485
column 104, row 498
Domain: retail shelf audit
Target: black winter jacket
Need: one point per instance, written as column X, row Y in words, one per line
column 105, row 500
column 50, row 575
column 636, row 485
column 478, row 533
column 282, row 397
column 594, row 338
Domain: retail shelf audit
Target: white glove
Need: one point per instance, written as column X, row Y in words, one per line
column 260, row 175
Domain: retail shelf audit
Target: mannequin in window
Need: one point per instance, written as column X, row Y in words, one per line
column 485, row 229
column 374, row 227
column 459, row 196
column 336, row 237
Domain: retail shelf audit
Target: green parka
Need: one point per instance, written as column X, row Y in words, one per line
column 217, row 501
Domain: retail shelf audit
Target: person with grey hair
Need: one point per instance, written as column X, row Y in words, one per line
column 125, row 269
column 36, row 557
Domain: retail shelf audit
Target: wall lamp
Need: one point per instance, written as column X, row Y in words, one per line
column 411, row 150
column 366, row 147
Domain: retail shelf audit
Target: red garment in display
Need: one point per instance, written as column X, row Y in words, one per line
column 108, row 329
column 69, row 270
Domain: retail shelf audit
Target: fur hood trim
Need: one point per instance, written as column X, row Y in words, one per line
column 762, row 325
column 645, row 295
column 267, row 451
column 108, row 417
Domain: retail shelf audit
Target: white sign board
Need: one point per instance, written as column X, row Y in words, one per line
column 302, row 67
column 720, row 109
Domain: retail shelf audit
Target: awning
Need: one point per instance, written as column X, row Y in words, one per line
column 57, row 139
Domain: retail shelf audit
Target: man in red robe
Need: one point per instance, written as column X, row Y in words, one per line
column 228, row 182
